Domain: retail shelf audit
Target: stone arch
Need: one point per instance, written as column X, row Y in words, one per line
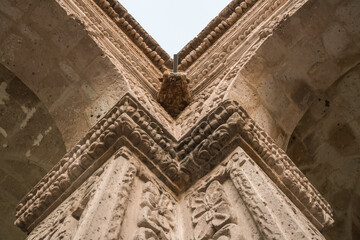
column 55, row 53
column 297, row 63
column 30, row 144
column 325, row 146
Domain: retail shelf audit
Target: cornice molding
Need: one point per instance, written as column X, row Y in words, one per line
column 193, row 50
column 115, row 44
column 240, row 42
column 177, row 163
column 213, row 31
column 136, row 33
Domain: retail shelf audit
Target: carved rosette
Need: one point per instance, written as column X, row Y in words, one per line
column 157, row 215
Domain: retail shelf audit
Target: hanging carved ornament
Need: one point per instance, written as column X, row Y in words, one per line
column 174, row 94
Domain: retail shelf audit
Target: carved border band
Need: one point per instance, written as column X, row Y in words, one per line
column 177, row 163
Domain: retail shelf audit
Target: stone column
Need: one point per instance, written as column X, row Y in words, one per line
column 105, row 210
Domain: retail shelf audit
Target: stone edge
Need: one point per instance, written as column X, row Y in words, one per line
column 193, row 50
column 175, row 163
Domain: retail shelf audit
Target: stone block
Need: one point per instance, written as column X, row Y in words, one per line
column 30, row 33
column 306, row 53
column 68, row 113
column 348, row 15
column 68, row 71
column 342, row 139
column 323, row 74
column 298, row 152
column 9, row 10
column 9, row 48
column 318, row 12
column 245, row 94
column 313, row 141
column 49, row 10
column 290, row 118
column 24, row 6
column 28, row 60
column 290, row 31
column 262, row 117
column 273, row 96
column 302, row 95
column 13, row 187
column 320, row 107
column 347, row 92
column 24, row 97
column 68, row 35
column 83, row 53
column 254, row 69
column 304, row 126
column 336, row 40
column 97, row 110
column 52, row 87
column 104, row 76
column 273, row 50
column 289, row 78
column 5, row 25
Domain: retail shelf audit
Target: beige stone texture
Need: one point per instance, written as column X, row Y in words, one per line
column 201, row 156
column 325, row 145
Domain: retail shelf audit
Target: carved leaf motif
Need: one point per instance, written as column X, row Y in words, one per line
column 183, row 162
column 157, row 213
column 211, row 211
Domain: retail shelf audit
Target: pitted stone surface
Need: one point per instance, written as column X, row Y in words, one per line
column 277, row 58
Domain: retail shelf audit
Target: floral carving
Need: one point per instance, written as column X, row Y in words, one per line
column 210, row 211
column 179, row 162
column 157, row 215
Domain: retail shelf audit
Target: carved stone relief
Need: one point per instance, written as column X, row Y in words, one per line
column 104, row 215
column 103, row 196
column 274, row 214
column 178, row 163
column 157, row 216
column 63, row 222
column 174, row 94
column 211, row 214
column 236, row 200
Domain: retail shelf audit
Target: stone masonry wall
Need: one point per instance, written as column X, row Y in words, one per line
column 325, row 145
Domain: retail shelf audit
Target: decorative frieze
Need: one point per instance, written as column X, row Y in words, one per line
column 136, row 33
column 178, row 163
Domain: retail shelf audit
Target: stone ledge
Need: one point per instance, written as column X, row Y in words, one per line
column 177, row 163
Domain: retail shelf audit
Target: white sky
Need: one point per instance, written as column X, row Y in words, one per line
column 174, row 23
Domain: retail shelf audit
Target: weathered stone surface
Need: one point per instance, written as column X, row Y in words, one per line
column 325, row 146
column 124, row 200
column 177, row 163
column 174, row 93
column 287, row 63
